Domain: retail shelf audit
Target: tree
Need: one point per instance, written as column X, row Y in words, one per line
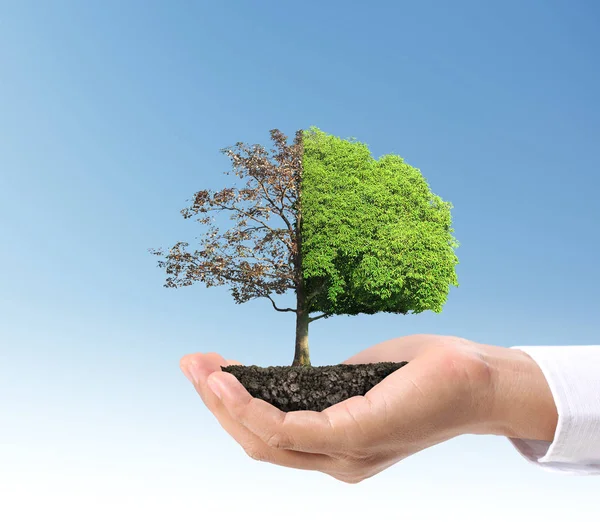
column 254, row 257
column 353, row 235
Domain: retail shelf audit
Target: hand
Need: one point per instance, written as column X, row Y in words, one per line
column 450, row 387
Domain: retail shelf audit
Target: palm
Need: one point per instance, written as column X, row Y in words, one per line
column 432, row 399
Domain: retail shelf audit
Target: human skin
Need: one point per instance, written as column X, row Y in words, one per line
column 451, row 386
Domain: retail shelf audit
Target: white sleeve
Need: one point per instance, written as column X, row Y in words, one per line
column 573, row 375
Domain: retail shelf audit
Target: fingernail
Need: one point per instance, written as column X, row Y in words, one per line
column 215, row 384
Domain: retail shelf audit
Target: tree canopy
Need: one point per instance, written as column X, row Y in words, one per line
column 374, row 236
column 256, row 257
column 349, row 235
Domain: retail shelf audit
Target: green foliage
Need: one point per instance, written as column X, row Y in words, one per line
column 374, row 237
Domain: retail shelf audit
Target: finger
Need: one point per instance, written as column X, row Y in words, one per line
column 208, row 361
column 421, row 402
column 395, row 350
column 206, row 364
column 258, row 450
column 431, row 370
column 406, row 387
column 197, row 367
column 327, row 432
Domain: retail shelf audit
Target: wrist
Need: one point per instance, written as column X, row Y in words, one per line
column 521, row 404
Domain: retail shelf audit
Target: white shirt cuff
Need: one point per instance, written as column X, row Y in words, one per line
column 573, row 375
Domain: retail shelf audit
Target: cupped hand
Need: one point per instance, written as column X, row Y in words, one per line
column 443, row 392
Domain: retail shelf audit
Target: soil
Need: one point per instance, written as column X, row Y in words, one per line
column 315, row 388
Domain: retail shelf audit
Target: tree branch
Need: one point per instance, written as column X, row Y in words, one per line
column 253, row 218
column 279, row 309
column 277, row 273
column 315, row 293
column 262, row 227
column 235, row 278
column 311, row 319
column 275, row 207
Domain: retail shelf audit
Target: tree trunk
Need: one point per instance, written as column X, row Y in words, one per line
column 301, row 354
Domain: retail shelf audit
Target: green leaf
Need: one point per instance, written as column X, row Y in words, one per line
column 373, row 230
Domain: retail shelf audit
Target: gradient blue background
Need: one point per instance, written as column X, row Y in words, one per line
column 112, row 114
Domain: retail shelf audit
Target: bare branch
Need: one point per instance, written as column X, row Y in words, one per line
column 278, row 210
column 280, row 309
column 262, row 223
column 254, row 257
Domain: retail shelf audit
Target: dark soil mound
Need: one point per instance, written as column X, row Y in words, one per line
column 315, row 388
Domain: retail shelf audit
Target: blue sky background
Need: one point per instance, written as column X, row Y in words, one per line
column 113, row 113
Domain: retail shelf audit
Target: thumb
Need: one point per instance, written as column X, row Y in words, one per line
column 394, row 350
